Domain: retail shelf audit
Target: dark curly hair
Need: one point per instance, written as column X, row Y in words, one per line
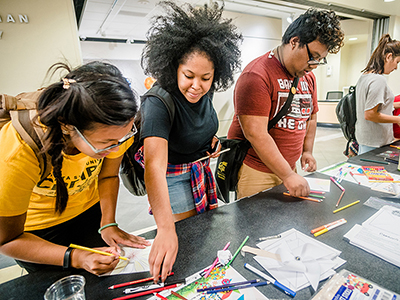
column 386, row 45
column 185, row 30
column 321, row 25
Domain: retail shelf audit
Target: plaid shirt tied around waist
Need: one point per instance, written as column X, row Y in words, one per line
column 202, row 181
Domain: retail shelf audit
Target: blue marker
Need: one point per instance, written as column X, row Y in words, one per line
column 270, row 279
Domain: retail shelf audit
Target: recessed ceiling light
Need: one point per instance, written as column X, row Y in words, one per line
column 388, row 0
column 352, row 39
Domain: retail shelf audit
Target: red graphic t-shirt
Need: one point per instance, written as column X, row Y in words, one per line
column 262, row 90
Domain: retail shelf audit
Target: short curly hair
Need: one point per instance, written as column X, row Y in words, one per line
column 321, row 25
column 185, row 30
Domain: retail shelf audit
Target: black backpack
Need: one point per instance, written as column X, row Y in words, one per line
column 132, row 173
column 347, row 117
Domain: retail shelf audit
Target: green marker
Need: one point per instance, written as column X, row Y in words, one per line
column 316, row 196
column 237, row 252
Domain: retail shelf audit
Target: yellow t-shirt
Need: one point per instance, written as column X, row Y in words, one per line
column 20, row 174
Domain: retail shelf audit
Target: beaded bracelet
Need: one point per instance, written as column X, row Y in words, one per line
column 105, row 226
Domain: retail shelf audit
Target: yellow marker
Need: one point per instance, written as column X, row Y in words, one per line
column 342, row 221
column 96, row 251
column 348, row 205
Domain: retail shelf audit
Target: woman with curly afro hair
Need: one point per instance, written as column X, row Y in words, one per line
column 192, row 52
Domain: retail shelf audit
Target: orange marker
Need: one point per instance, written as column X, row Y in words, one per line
column 326, row 226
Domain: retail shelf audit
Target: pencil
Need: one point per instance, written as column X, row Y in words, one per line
column 304, row 198
column 199, row 290
column 134, row 282
column 237, row 252
column 337, row 183
column 346, row 206
column 161, row 297
column 96, row 251
column 205, row 157
column 317, row 192
column 340, row 198
column 215, row 262
column 316, row 196
column 147, row 292
column 177, row 295
column 232, row 288
column 375, row 161
column 352, row 175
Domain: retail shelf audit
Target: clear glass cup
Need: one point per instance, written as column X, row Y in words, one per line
column 67, row 288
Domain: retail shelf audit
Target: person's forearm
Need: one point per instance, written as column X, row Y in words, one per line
column 108, row 192
column 31, row 248
column 381, row 118
column 157, row 191
column 308, row 145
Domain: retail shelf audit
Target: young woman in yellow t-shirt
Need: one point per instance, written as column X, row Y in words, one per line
column 88, row 118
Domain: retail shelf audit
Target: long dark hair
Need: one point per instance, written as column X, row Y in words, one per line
column 386, row 45
column 96, row 92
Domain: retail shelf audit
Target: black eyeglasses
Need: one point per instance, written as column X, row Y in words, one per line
column 315, row 62
column 119, row 143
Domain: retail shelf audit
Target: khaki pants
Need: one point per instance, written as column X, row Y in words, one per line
column 252, row 181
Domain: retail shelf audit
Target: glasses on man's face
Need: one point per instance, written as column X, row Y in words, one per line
column 315, row 62
column 119, row 143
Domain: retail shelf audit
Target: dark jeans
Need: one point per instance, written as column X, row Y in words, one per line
column 81, row 230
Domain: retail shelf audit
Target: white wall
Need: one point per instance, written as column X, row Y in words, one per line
column 27, row 50
column 354, row 58
column 260, row 35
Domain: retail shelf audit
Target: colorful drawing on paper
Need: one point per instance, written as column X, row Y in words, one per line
column 138, row 261
column 218, row 276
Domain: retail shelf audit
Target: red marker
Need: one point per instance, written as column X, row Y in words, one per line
column 134, row 282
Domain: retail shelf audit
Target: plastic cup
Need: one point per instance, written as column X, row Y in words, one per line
column 67, row 288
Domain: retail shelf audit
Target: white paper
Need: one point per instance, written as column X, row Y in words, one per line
column 318, row 184
column 379, row 234
column 305, row 261
column 138, row 261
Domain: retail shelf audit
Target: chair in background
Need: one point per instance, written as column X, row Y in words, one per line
column 334, row 95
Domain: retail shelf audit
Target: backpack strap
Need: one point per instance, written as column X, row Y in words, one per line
column 164, row 96
column 286, row 106
column 32, row 135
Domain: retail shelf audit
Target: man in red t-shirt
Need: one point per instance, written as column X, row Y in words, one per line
column 396, row 112
column 261, row 91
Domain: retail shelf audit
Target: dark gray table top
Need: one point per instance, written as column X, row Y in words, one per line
column 267, row 213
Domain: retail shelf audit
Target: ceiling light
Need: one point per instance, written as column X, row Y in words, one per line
column 353, row 39
column 388, row 0
column 290, row 18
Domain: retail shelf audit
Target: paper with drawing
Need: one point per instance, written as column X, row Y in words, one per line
column 138, row 261
column 305, row 261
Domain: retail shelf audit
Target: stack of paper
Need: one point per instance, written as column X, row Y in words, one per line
column 379, row 234
column 304, row 260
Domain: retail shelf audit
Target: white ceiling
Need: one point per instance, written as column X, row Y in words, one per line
column 130, row 19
